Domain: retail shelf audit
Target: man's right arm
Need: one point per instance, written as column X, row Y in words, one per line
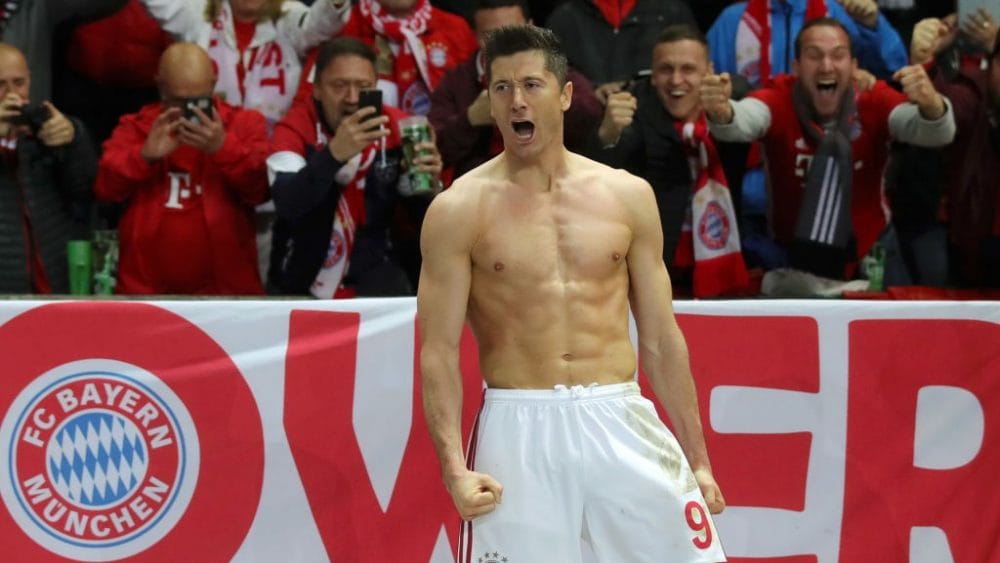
column 750, row 121
column 446, row 243
column 122, row 169
column 733, row 121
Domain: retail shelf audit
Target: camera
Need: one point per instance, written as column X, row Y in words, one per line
column 34, row 116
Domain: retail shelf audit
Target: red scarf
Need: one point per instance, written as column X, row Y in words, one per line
column 615, row 11
column 753, row 38
column 715, row 253
column 410, row 62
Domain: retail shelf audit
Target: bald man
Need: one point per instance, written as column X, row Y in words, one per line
column 190, row 170
column 48, row 164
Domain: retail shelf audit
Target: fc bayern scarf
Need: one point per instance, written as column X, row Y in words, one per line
column 410, row 63
column 350, row 214
column 710, row 239
column 753, row 39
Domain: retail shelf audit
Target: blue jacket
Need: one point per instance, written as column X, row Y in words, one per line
column 880, row 51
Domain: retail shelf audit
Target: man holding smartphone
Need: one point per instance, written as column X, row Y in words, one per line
column 190, row 169
column 47, row 164
column 336, row 176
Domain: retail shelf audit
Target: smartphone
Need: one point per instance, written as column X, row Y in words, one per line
column 371, row 97
column 968, row 7
column 204, row 103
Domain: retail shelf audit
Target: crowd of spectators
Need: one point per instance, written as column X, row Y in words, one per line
column 795, row 147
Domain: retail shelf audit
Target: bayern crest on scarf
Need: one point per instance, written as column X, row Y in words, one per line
column 710, row 238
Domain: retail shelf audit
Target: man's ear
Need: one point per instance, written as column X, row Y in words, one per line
column 795, row 69
column 566, row 97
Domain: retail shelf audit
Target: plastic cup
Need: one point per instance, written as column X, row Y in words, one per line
column 413, row 130
column 79, row 259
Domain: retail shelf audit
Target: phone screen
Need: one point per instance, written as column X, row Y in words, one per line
column 371, row 97
column 204, row 103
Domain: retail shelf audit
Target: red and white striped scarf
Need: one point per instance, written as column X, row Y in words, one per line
column 350, row 214
column 715, row 252
column 753, row 39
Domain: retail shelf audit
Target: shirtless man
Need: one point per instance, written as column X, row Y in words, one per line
column 543, row 251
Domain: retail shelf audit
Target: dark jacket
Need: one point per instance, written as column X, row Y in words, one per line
column 604, row 54
column 306, row 202
column 53, row 185
column 972, row 167
column 651, row 148
column 464, row 146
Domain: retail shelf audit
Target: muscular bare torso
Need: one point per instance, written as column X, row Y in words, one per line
column 549, row 291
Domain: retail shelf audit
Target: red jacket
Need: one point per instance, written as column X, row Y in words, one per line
column 122, row 49
column 189, row 223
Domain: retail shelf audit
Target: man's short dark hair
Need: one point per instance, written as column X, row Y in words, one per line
column 820, row 22
column 494, row 4
column 681, row 32
column 512, row 39
column 340, row 47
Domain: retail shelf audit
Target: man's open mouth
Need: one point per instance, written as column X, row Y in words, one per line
column 826, row 86
column 523, row 129
column 678, row 93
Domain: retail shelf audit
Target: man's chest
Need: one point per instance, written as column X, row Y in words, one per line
column 541, row 242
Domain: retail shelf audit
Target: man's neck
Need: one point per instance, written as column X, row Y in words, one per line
column 538, row 172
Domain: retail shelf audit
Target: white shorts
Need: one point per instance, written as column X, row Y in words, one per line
column 584, row 463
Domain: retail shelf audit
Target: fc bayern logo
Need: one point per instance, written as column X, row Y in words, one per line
column 335, row 253
column 102, row 460
column 713, row 228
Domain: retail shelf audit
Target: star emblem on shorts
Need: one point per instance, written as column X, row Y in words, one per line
column 492, row 557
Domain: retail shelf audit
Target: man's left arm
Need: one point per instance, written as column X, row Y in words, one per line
column 243, row 156
column 877, row 45
column 928, row 119
column 662, row 350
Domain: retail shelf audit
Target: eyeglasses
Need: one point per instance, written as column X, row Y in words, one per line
column 340, row 86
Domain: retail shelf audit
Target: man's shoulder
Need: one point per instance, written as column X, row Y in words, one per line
column 142, row 119
column 598, row 175
column 729, row 16
column 881, row 93
column 237, row 114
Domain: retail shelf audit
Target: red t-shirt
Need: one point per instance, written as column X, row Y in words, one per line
column 181, row 240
